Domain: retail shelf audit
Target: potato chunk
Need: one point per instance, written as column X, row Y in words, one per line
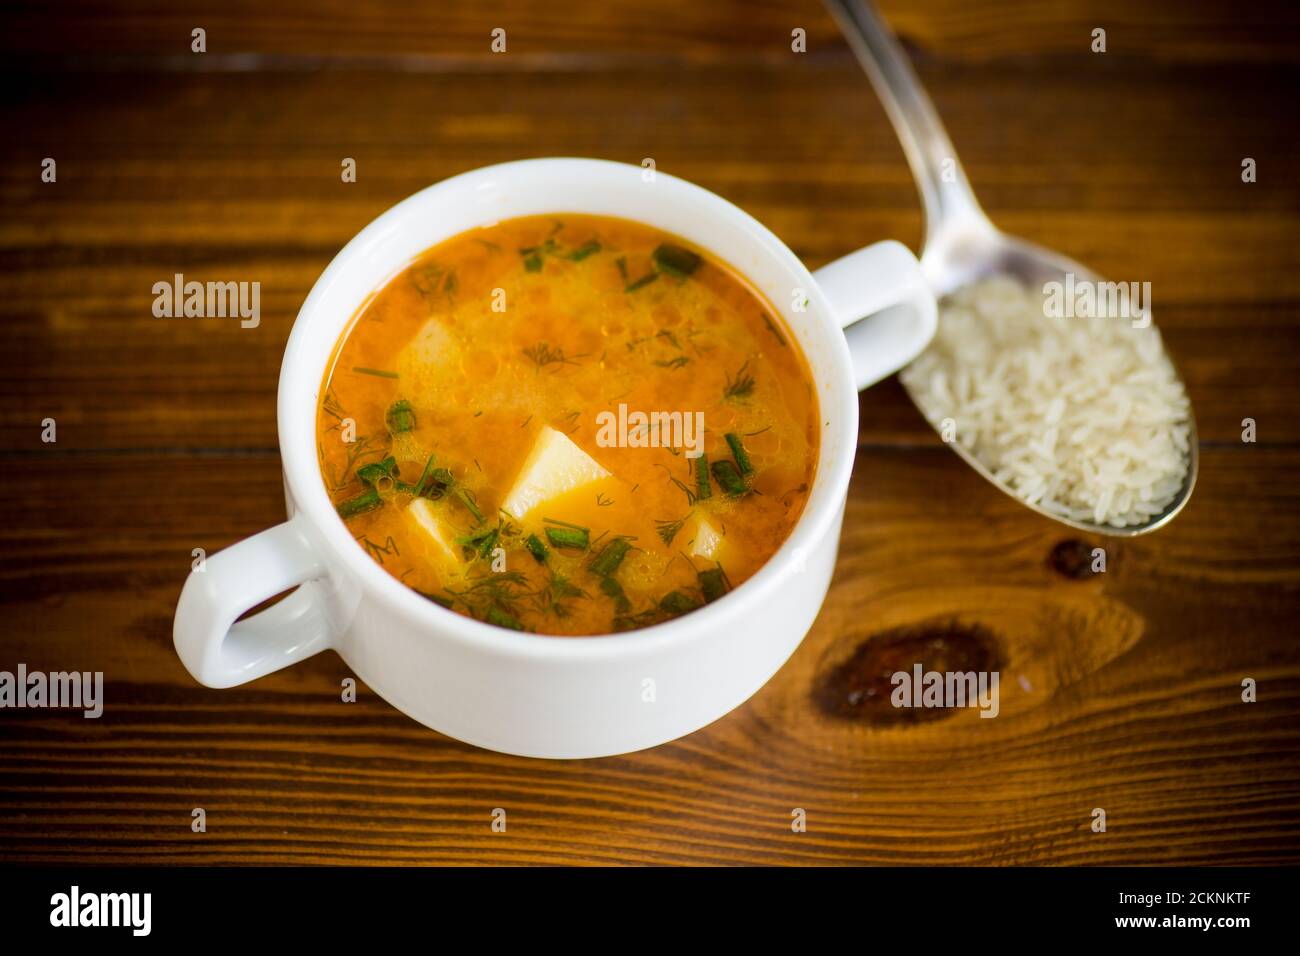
column 435, row 532
column 706, row 542
column 554, row 466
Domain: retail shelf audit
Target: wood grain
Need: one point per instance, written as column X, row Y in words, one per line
column 256, row 196
column 1131, row 702
column 435, row 35
column 1121, row 690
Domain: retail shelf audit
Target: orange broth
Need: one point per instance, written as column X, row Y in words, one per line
column 532, row 333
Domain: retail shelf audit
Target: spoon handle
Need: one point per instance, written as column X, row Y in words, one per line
column 945, row 191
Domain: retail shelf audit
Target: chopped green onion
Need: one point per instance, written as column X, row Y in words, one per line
column 643, row 281
column 563, row 524
column 675, row 260
column 368, row 500
column 728, row 479
column 377, row 471
column 424, row 477
column 738, row 452
column 566, row 537
column 380, row 373
column 610, row 557
column 588, row 248
column 536, row 548
column 440, row 479
column 615, row 590
column 483, row 542
column 702, row 487
column 468, row 501
column 714, row 583
column 677, row 602
column 400, row 417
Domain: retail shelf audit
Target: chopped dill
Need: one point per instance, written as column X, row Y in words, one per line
column 379, row 373
column 377, row 551
column 771, row 327
column 569, row 422
column 358, row 448
column 495, row 591
column 332, row 406
column 433, row 280
column 550, row 598
column 668, row 528
column 690, row 495
column 542, row 355
column 742, row 386
column 501, row 619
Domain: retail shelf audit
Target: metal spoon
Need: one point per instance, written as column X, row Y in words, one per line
column 961, row 244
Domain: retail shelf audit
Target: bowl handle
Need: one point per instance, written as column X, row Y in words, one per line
column 221, row 653
column 881, row 300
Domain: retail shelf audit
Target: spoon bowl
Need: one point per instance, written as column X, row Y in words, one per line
column 962, row 246
column 959, row 257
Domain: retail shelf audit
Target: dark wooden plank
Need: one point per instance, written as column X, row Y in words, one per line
column 1120, row 691
column 619, row 30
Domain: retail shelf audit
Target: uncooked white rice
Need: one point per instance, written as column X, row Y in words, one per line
column 1084, row 417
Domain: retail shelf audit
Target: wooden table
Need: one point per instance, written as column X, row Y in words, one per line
column 1120, row 690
